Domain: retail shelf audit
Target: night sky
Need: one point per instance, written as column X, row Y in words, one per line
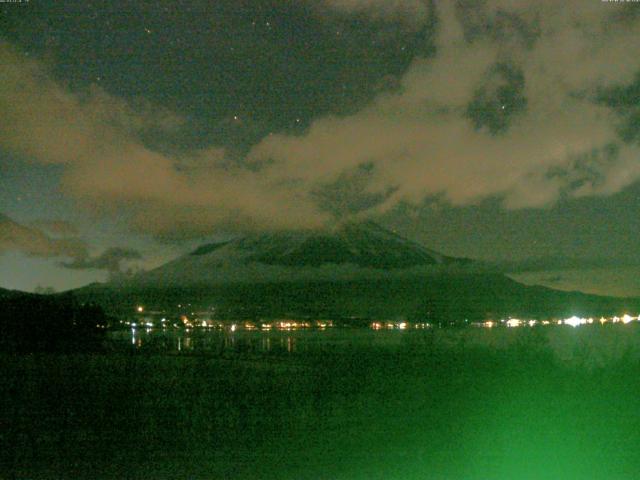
column 131, row 132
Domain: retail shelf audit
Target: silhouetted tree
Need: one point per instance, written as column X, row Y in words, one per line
column 31, row 323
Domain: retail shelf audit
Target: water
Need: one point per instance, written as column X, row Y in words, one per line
column 343, row 404
column 587, row 346
column 257, row 342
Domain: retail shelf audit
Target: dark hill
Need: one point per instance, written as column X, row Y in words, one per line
column 357, row 270
column 52, row 323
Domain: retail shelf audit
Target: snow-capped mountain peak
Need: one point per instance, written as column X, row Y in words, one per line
column 349, row 251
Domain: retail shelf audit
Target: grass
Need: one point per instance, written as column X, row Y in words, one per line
column 454, row 405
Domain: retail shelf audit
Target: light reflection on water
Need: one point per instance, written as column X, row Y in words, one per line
column 591, row 345
column 209, row 341
column 243, row 341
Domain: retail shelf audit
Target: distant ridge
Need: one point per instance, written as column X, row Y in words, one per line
column 352, row 250
column 354, row 271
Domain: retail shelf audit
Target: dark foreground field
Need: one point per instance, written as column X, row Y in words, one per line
column 421, row 410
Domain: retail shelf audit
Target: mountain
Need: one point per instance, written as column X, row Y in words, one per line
column 356, row 270
column 352, row 251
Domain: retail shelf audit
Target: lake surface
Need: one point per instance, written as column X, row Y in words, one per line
column 338, row 404
column 585, row 346
column 227, row 341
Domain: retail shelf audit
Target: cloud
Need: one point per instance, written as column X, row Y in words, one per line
column 110, row 260
column 560, row 263
column 15, row 237
column 96, row 138
column 535, row 112
column 34, row 242
column 505, row 108
column 56, row 227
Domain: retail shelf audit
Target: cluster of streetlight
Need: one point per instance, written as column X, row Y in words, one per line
column 573, row 321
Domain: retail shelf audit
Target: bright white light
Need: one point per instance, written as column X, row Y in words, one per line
column 233, row 327
column 574, row 321
column 514, row 322
column 626, row 318
column 140, row 309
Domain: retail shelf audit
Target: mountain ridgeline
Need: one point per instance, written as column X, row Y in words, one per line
column 364, row 245
column 356, row 271
column 353, row 251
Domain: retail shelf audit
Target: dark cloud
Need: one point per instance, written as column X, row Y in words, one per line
column 15, row 237
column 110, row 260
column 31, row 241
column 560, row 263
column 348, row 195
column 56, row 227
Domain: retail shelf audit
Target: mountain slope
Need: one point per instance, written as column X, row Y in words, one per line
column 353, row 251
column 357, row 270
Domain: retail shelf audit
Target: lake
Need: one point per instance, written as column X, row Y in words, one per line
column 335, row 404
column 258, row 342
